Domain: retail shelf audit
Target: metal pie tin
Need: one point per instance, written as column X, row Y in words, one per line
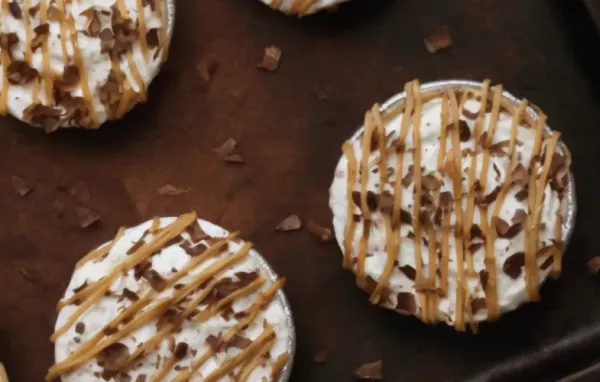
column 569, row 216
column 170, row 18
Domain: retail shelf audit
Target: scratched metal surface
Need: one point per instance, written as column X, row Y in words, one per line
column 546, row 51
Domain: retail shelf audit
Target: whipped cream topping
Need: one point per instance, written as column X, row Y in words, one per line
column 401, row 290
column 60, row 55
column 192, row 339
column 302, row 7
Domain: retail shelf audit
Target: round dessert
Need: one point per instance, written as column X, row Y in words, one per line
column 454, row 203
column 173, row 300
column 302, row 7
column 78, row 64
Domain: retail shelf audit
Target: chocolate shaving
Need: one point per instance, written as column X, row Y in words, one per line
column 130, row 295
column 271, row 58
column 506, row 231
column 15, row 10
column 446, row 200
column 107, row 41
column 226, row 286
column 476, row 232
column 405, row 217
column 405, row 303
column 93, row 25
column 477, row 304
column 240, row 342
column 320, row 356
column 291, row 223
column 520, row 216
column 386, row 202
column 7, row 40
column 513, row 264
column 547, row 263
column 594, row 265
column 409, row 271
column 80, row 328
column 70, row 78
column 474, row 247
column 370, row 371
column 372, row 200
column 141, row 268
column 41, row 35
column 34, row 10
column 430, row 182
column 27, row 275
column 408, row 178
column 113, row 357
column 497, row 171
column 440, row 39
column 472, row 115
column 483, row 277
column 86, row 216
column 20, row 187
column 195, row 250
column 556, row 163
column 520, row 176
column 196, row 232
column 152, row 38
column 489, row 198
column 207, row 67
column 170, row 190
column 155, row 279
column 497, row 149
column 215, row 342
column 20, row 73
column 323, row 234
column 125, row 33
column 180, row 350
column 464, row 131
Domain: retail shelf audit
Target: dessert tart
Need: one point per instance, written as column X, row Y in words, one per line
column 79, row 63
column 302, row 7
column 453, row 203
column 173, row 300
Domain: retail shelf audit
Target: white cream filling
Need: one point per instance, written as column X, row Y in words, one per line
column 194, row 334
column 96, row 64
column 511, row 292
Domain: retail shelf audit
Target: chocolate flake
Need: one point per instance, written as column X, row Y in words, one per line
column 181, row 350
column 80, row 328
column 506, row 231
column 547, row 263
column 93, row 26
column 41, row 35
column 320, row 356
column 386, row 202
column 430, row 182
column 70, row 78
column 520, row 216
column 20, row 73
column 522, row 195
column 323, row 234
column 464, row 131
column 131, row 295
column 483, row 277
column 196, row 250
column 489, row 198
column 291, row 223
column 15, row 10
column 207, row 67
column 594, row 265
column 7, row 40
column 141, row 378
column 155, row 279
column 476, row 232
column 474, row 247
column 34, row 10
column 125, row 33
column 152, row 38
column 54, row 14
column 405, row 303
column 196, row 232
column 271, row 58
column 240, row 342
column 409, row 271
column 405, row 217
column 86, row 216
column 372, row 371
column 215, row 342
column 446, row 200
column 513, row 264
column 113, row 357
column 520, row 176
column 477, row 304
column 170, row 190
column 440, row 39
column 20, row 187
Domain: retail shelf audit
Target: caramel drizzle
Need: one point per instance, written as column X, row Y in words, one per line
column 142, row 28
column 140, row 255
column 301, row 7
column 134, row 69
column 456, row 176
column 261, row 302
column 250, row 366
column 26, row 5
column 348, row 151
column 46, row 74
column 491, row 291
column 85, row 87
column 63, row 29
column 5, row 62
column 163, row 31
column 446, row 219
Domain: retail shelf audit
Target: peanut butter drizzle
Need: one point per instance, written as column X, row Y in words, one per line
column 46, row 74
column 456, row 176
column 250, row 366
column 163, row 31
column 134, row 69
column 366, row 212
column 85, row 87
column 446, row 219
column 142, row 28
column 535, row 215
column 138, row 256
column 5, row 62
column 491, row 291
column 63, row 30
column 279, row 364
column 261, row 302
column 348, row 150
column 26, row 5
column 471, row 177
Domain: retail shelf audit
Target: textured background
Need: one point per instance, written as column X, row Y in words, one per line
column 544, row 50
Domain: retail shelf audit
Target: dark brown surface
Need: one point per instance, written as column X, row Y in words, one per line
column 544, row 50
